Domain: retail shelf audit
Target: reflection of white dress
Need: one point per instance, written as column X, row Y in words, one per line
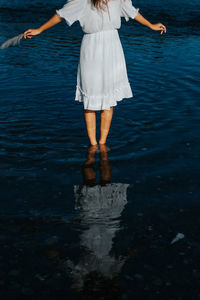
column 100, row 210
column 102, row 76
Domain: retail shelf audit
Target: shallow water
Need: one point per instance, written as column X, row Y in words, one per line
column 105, row 242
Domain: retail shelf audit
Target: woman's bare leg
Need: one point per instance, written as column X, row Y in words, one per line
column 90, row 121
column 106, row 118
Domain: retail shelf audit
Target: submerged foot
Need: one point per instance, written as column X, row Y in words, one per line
column 103, row 148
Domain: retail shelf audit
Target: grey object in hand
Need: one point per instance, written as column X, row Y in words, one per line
column 12, row 42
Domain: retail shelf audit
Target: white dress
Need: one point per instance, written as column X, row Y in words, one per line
column 102, row 78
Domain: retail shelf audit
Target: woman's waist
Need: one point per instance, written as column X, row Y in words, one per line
column 103, row 31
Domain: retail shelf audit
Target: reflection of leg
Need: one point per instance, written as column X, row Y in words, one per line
column 90, row 121
column 89, row 175
column 106, row 118
column 90, row 155
column 105, row 166
column 88, row 172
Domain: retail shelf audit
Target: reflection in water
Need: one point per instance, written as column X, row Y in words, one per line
column 100, row 205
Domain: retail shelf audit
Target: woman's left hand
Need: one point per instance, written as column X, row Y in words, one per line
column 159, row 26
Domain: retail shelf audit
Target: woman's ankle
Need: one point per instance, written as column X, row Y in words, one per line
column 93, row 143
column 102, row 142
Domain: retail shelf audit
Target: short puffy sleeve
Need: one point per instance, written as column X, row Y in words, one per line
column 128, row 10
column 72, row 11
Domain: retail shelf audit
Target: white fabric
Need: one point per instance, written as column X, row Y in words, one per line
column 102, row 75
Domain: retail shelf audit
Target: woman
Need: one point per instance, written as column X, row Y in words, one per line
column 102, row 75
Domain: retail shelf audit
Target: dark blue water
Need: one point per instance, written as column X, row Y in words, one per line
column 63, row 233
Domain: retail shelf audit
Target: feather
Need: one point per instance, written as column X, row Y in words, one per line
column 178, row 237
column 12, row 42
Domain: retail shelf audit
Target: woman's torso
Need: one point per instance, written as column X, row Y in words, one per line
column 95, row 20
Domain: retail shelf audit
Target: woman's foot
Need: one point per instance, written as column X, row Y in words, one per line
column 94, row 144
column 102, row 141
column 103, row 149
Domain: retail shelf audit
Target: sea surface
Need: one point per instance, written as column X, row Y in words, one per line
column 106, row 231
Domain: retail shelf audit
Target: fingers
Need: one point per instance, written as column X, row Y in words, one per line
column 160, row 27
column 29, row 36
column 27, row 33
column 163, row 28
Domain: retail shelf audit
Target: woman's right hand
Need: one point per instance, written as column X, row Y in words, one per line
column 31, row 32
column 159, row 26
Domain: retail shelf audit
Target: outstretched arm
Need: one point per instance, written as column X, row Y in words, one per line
column 158, row 26
column 50, row 23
